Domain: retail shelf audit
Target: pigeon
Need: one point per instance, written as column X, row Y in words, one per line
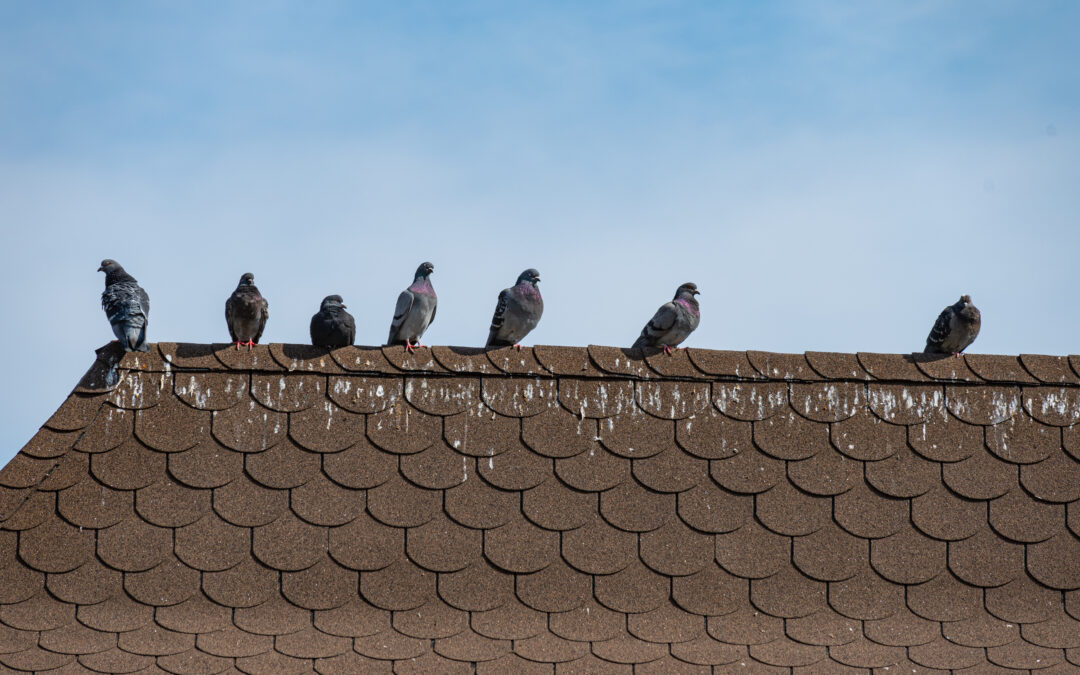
column 956, row 327
column 127, row 305
column 517, row 312
column 673, row 322
column 332, row 326
column 415, row 310
column 246, row 312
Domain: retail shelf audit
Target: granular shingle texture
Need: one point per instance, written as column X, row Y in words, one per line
column 200, row 509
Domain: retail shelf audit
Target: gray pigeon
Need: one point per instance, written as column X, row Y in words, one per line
column 415, row 310
column 673, row 322
column 956, row 327
column 517, row 312
column 127, row 305
column 246, row 312
column 332, row 326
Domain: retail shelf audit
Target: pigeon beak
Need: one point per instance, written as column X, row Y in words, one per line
column 344, row 306
column 101, row 269
column 697, row 292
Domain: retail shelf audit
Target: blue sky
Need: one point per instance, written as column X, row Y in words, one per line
column 830, row 174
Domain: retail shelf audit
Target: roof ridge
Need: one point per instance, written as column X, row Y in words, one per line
column 589, row 362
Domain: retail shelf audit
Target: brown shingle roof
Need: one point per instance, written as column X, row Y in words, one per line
column 198, row 509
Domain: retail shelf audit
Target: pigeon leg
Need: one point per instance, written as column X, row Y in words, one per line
column 409, row 346
column 958, row 354
column 250, row 344
column 517, row 346
column 667, row 350
column 238, row 343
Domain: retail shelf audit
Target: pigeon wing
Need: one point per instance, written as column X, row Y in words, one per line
column 348, row 326
column 144, row 301
column 940, row 331
column 264, row 314
column 230, row 315
column 401, row 310
column 122, row 303
column 498, row 318
column 660, row 324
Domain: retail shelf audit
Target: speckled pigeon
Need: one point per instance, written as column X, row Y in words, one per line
column 673, row 322
column 955, row 329
column 415, row 310
column 246, row 312
column 517, row 312
column 332, row 326
column 127, row 305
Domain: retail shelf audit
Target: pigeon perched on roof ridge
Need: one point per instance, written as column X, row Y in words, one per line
column 673, row 322
column 955, row 329
column 126, row 305
column 246, row 312
column 415, row 310
column 332, row 326
column 517, row 312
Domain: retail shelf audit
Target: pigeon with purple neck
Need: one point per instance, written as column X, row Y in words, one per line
column 955, row 329
column 415, row 310
column 517, row 312
column 246, row 312
column 127, row 305
column 673, row 322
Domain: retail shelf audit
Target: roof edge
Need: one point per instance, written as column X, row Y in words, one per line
column 593, row 361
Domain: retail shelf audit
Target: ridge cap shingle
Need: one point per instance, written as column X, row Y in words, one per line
column 588, row 362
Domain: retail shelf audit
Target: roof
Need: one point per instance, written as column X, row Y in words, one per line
column 200, row 509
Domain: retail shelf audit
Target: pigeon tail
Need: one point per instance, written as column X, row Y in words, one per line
column 494, row 343
column 132, row 335
column 136, row 339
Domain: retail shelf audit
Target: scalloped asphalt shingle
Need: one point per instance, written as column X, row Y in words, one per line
column 200, row 510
